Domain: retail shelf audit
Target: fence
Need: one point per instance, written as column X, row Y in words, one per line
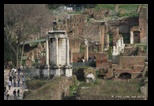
column 29, row 73
column 83, row 64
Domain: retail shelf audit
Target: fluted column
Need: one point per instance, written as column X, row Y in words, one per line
column 47, row 51
column 47, row 55
column 147, row 32
column 67, row 51
column 56, row 51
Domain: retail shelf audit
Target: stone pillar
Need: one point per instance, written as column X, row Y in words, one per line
column 47, row 51
column 57, row 69
column 131, row 37
column 68, row 70
column 122, row 42
column 47, row 56
column 71, row 56
column 147, row 31
column 114, row 51
column 67, row 51
column 101, row 39
column 62, row 51
column 107, row 41
column 86, row 59
column 86, row 50
column 57, row 51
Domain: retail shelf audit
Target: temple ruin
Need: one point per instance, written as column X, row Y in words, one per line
column 57, row 55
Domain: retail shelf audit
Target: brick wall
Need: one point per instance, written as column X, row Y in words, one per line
column 129, row 61
column 74, row 46
column 101, row 58
column 142, row 24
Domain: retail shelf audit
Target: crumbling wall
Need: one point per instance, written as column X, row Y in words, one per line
column 97, row 15
column 129, row 61
column 74, row 45
column 142, row 24
column 129, row 51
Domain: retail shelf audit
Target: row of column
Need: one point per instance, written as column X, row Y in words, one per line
column 57, row 55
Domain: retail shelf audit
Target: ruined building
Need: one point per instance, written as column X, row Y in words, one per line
column 57, row 55
column 138, row 33
column 118, row 43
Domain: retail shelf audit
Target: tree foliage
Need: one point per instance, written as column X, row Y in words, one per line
column 20, row 21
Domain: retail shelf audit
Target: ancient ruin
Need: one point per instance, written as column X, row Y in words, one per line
column 57, row 55
column 96, row 48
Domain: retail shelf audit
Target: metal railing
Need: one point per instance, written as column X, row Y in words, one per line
column 80, row 64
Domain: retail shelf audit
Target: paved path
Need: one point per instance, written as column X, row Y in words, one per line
column 22, row 88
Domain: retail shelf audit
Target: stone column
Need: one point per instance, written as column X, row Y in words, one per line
column 107, row 41
column 86, row 50
column 57, row 51
column 122, row 42
column 131, row 37
column 47, row 55
column 67, row 51
column 47, row 51
column 102, row 39
column 71, row 56
column 147, row 32
column 86, row 58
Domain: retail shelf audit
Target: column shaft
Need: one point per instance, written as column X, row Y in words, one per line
column 67, row 51
column 57, row 51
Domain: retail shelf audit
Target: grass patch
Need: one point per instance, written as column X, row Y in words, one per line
column 35, row 84
column 47, row 89
column 110, row 87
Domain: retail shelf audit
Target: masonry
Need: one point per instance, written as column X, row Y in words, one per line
column 101, row 58
column 57, row 55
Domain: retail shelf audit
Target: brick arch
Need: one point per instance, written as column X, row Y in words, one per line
column 125, row 75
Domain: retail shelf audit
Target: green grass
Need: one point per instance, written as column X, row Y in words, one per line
column 35, row 84
column 129, row 9
column 104, row 6
column 110, row 87
column 44, row 89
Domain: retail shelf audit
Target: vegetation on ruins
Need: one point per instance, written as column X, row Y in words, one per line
column 110, row 87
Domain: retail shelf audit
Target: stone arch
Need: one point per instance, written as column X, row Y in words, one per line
column 125, row 75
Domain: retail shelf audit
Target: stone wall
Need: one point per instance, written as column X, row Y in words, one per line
column 142, row 24
column 101, row 58
column 129, row 61
column 129, row 51
column 62, row 91
column 74, row 45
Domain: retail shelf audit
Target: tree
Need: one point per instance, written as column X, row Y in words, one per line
column 20, row 21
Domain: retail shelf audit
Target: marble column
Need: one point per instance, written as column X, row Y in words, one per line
column 57, row 51
column 57, row 70
column 147, row 32
column 47, row 52
column 47, row 57
column 131, row 37
column 67, row 51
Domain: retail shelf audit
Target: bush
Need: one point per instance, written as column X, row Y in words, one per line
column 35, row 84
